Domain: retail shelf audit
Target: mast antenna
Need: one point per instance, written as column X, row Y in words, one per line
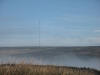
column 39, row 33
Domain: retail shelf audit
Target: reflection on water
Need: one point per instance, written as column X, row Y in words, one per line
column 66, row 56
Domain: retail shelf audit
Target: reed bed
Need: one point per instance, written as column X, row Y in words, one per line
column 28, row 69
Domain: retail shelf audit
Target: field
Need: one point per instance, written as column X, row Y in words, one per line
column 28, row 69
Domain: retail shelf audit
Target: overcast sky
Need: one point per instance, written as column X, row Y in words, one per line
column 62, row 22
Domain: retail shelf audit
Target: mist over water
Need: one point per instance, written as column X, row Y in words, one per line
column 56, row 56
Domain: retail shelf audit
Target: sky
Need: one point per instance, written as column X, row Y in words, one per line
column 61, row 22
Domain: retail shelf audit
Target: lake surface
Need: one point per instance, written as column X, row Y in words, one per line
column 63, row 56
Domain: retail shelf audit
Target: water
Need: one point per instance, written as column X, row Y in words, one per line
column 63, row 56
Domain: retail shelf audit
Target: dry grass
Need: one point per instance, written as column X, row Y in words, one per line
column 28, row 69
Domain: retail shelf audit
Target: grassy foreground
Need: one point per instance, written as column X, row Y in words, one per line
column 28, row 69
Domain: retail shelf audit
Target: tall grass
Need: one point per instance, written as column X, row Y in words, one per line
column 28, row 69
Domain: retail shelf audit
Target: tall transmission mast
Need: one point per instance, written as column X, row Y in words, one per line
column 39, row 39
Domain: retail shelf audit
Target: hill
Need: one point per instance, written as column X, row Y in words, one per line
column 28, row 69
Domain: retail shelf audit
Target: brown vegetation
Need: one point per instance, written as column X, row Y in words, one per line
column 27, row 69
